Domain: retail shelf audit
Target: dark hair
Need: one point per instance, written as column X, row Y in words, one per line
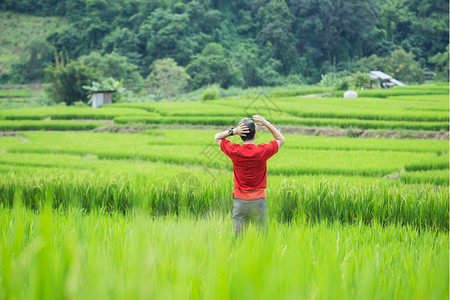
column 251, row 127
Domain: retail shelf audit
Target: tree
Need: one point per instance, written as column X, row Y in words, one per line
column 361, row 80
column 166, row 35
column 276, row 32
column 440, row 61
column 405, row 68
column 124, row 42
column 211, row 66
column 116, row 66
column 336, row 28
column 31, row 66
column 372, row 63
column 399, row 64
column 68, row 40
column 167, row 76
column 67, row 81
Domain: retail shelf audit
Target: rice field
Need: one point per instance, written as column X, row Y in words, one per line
column 78, row 255
column 396, row 109
column 86, row 213
column 12, row 97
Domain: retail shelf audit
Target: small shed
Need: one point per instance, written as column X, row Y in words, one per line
column 100, row 98
column 383, row 80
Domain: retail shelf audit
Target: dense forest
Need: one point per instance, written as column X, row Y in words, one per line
column 239, row 43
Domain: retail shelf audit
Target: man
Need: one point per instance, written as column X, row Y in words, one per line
column 250, row 170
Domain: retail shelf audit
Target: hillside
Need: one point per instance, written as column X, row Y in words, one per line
column 236, row 43
column 17, row 31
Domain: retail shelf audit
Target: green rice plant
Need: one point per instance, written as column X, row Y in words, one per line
column 71, row 112
column 313, row 200
column 362, row 144
column 363, row 124
column 20, row 93
column 440, row 177
column 363, row 113
column 321, row 122
column 200, row 149
column 403, row 91
column 302, row 92
column 54, row 255
column 379, row 203
column 215, row 108
column 335, row 110
column 436, row 102
column 362, row 163
column 441, row 163
column 198, row 120
column 360, row 108
column 47, row 125
column 14, row 100
column 148, row 106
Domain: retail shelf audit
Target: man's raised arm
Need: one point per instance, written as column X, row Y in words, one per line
column 275, row 132
column 240, row 130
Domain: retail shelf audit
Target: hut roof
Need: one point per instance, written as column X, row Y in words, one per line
column 375, row 75
column 379, row 75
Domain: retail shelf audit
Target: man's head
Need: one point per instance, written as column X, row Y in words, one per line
column 251, row 127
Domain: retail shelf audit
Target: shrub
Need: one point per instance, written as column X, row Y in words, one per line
column 361, row 80
column 211, row 93
column 343, row 84
column 68, row 81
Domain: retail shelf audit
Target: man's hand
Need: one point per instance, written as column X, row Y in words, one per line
column 275, row 132
column 261, row 120
column 241, row 130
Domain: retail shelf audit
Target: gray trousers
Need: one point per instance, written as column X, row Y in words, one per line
column 249, row 211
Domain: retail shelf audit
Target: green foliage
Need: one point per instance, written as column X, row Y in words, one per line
column 405, row 68
column 329, row 79
column 104, row 84
column 24, row 45
column 31, row 67
column 361, row 80
column 168, row 77
column 125, row 43
column 115, row 66
column 211, row 67
column 67, row 82
column 343, row 84
column 165, row 34
column 108, row 84
column 333, row 27
column 372, row 63
column 440, row 60
column 211, row 93
column 276, row 32
column 399, row 64
column 263, row 41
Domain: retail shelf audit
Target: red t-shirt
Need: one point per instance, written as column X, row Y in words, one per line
column 249, row 167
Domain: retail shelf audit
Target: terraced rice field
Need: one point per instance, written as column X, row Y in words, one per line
column 87, row 213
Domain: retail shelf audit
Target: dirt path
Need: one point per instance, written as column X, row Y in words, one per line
column 317, row 131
